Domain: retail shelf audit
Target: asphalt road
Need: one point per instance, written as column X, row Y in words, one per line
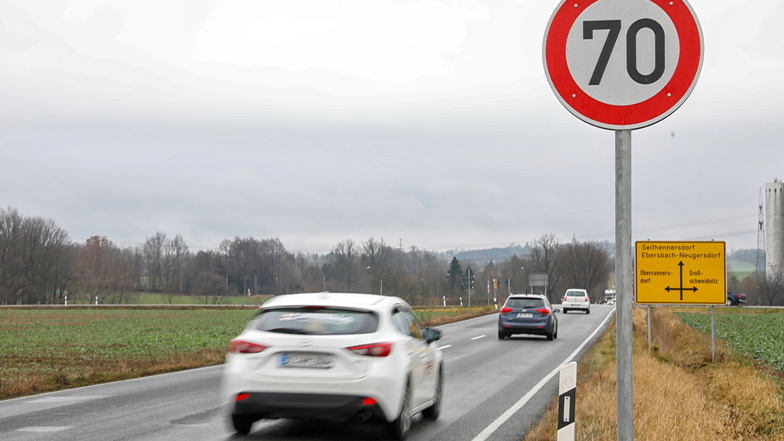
column 494, row 391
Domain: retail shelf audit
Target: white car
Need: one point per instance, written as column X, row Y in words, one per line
column 334, row 356
column 576, row 299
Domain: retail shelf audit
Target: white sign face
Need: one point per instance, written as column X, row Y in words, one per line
column 623, row 64
column 612, row 82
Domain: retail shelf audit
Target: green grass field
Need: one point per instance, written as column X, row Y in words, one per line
column 148, row 298
column 47, row 349
column 756, row 333
column 52, row 348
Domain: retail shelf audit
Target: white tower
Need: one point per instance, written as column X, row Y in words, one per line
column 774, row 229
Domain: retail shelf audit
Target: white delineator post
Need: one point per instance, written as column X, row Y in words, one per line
column 567, row 386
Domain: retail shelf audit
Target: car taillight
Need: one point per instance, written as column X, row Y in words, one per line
column 372, row 350
column 506, row 309
column 586, row 299
column 245, row 347
column 544, row 311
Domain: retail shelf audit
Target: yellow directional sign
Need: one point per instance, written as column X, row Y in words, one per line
column 693, row 273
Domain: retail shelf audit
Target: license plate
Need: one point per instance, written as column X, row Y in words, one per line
column 521, row 315
column 305, row 360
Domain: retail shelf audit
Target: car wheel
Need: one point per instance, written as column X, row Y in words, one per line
column 402, row 424
column 554, row 333
column 565, row 310
column 502, row 335
column 434, row 411
column 588, row 311
column 242, row 424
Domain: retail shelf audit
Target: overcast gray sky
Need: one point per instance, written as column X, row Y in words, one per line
column 427, row 123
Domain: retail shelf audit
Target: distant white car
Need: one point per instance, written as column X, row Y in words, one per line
column 336, row 357
column 576, row 299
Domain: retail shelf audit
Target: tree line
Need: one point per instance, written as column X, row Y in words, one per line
column 40, row 264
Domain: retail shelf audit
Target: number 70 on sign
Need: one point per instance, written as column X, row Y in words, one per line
column 622, row 64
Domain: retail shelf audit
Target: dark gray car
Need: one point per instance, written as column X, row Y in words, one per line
column 527, row 314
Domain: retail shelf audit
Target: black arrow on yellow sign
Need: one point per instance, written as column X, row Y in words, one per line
column 681, row 288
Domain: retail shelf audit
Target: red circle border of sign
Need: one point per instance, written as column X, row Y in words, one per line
column 633, row 116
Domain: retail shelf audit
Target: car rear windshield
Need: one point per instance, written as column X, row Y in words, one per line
column 575, row 294
column 525, row 303
column 315, row 321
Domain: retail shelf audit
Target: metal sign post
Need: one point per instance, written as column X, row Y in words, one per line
column 623, row 282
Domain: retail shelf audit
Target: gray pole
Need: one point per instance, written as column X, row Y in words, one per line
column 649, row 327
column 713, row 334
column 469, row 287
column 623, row 276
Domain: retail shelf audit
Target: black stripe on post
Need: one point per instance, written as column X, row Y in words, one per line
column 566, row 408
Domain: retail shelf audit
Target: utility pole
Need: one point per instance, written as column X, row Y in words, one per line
column 469, row 284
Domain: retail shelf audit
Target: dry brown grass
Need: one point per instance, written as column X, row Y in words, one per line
column 679, row 394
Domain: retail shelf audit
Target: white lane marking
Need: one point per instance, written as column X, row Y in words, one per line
column 44, row 429
column 441, row 348
column 483, row 435
column 478, row 337
column 57, row 400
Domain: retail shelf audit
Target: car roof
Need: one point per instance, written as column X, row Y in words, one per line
column 373, row 302
column 527, row 296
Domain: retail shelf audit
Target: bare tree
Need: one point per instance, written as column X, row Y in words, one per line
column 515, row 275
column 36, row 259
column 209, row 285
column 154, row 261
column 101, row 269
column 276, row 265
column 427, row 274
column 52, row 260
column 544, row 253
column 345, row 255
column 376, row 253
column 258, row 266
column 377, row 258
column 584, row 265
column 12, row 280
column 771, row 287
column 175, row 258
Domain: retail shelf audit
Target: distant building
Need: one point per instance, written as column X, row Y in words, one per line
column 774, row 229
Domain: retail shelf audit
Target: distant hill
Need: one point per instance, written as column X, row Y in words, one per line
column 738, row 261
column 485, row 256
column 739, row 266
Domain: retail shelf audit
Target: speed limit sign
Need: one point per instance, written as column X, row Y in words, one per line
column 622, row 64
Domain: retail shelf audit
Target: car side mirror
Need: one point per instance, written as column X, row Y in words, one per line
column 556, row 310
column 432, row 334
